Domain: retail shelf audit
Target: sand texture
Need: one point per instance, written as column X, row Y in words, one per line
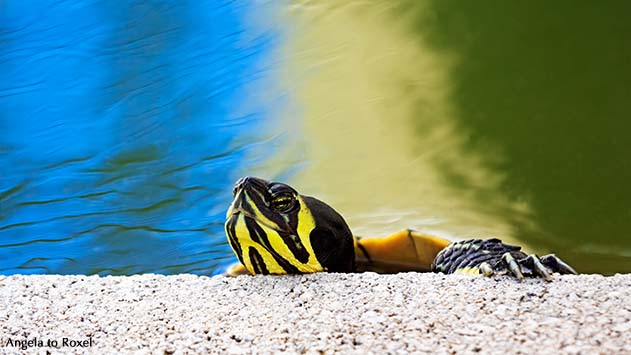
column 313, row 314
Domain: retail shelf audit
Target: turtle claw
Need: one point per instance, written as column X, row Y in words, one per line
column 486, row 269
column 492, row 257
column 538, row 267
column 557, row 265
column 513, row 266
column 533, row 265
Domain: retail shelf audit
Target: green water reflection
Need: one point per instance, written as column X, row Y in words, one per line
column 470, row 119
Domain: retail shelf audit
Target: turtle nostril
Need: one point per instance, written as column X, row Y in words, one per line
column 240, row 184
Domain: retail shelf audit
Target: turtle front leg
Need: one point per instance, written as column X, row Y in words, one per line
column 491, row 256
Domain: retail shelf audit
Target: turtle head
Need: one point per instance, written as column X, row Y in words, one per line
column 274, row 230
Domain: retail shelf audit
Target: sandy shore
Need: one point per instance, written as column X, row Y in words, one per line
column 322, row 313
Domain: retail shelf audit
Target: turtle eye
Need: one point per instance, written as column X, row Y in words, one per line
column 282, row 202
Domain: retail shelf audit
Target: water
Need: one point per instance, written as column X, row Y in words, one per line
column 123, row 126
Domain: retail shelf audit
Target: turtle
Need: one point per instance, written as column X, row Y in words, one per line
column 275, row 230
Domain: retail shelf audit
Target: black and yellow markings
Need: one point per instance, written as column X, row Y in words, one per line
column 258, row 264
column 274, row 230
column 465, row 257
column 290, row 245
column 253, row 254
column 232, row 237
column 261, row 244
column 258, row 235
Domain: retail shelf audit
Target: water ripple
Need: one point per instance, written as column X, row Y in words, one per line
column 124, row 127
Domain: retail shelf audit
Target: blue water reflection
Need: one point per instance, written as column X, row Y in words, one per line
column 119, row 127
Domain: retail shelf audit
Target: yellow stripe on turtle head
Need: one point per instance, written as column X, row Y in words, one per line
column 273, row 242
column 260, row 217
column 305, row 224
column 245, row 242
